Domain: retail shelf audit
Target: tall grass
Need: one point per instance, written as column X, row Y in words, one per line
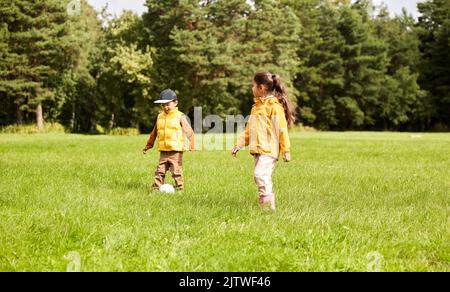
column 33, row 129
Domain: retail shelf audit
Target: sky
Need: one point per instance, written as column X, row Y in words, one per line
column 395, row 6
column 116, row 6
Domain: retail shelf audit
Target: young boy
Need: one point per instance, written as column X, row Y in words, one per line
column 170, row 128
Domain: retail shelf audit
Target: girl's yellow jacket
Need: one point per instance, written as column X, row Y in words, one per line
column 267, row 130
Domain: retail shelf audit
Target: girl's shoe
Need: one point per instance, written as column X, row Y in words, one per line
column 264, row 200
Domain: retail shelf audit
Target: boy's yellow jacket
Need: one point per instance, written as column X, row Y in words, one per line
column 267, row 129
column 170, row 129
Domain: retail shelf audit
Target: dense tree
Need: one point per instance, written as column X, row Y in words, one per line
column 125, row 75
column 78, row 91
column 434, row 34
column 160, row 20
column 402, row 103
column 364, row 61
column 38, row 50
column 346, row 64
column 321, row 75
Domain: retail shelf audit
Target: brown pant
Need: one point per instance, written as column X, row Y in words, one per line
column 173, row 161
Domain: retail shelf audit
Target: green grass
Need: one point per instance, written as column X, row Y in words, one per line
column 344, row 196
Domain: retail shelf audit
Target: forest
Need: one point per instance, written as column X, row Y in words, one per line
column 347, row 65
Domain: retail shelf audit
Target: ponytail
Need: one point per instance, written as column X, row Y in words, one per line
column 280, row 93
column 273, row 84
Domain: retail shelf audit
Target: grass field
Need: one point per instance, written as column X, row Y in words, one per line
column 347, row 202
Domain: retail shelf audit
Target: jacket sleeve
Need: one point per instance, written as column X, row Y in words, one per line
column 283, row 134
column 244, row 138
column 152, row 138
column 153, row 135
column 187, row 130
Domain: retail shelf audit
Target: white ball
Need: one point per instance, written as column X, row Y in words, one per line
column 166, row 188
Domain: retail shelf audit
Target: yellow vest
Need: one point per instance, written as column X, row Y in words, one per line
column 170, row 132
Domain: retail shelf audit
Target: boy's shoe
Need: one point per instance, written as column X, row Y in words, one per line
column 267, row 200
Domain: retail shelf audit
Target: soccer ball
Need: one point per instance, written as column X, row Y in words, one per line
column 166, row 188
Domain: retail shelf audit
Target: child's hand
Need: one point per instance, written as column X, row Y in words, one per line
column 287, row 157
column 144, row 151
column 235, row 150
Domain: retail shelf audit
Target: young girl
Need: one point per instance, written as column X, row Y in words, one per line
column 266, row 132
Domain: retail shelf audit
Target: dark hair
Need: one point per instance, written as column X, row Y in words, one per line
column 273, row 83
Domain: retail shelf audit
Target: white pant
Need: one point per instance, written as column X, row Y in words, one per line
column 264, row 167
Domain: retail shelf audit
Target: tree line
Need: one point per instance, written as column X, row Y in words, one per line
column 347, row 65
